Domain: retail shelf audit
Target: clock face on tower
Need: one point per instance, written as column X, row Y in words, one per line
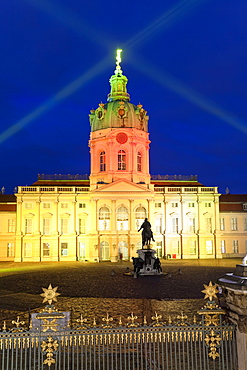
column 122, row 138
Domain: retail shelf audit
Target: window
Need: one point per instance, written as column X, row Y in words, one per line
column 175, row 225
column 245, row 206
column 223, row 246
column 174, row 205
column 64, row 205
column 157, row 205
column 102, row 164
column 159, row 249
column 82, row 205
column 82, row 250
column 208, row 224
column 122, row 218
column 208, row 205
column 11, row 226
column 10, row 249
column 209, row 247
column 82, row 226
column 46, row 205
column 28, row 226
column 64, row 249
column 46, row 249
column 245, row 246
column 140, row 215
column 245, row 224
column 235, row 246
column 234, row 224
column 192, row 225
column 104, row 218
column 46, row 226
column 175, row 247
column 191, row 204
column 121, row 160
column 27, row 249
column 28, row 205
column 222, row 224
column 139, row 161
column 192, row 247
column 64, row 225
column 158, row 224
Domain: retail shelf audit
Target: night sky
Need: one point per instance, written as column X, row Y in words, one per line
column 186, row 62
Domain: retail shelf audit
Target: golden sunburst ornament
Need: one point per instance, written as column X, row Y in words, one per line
column 210, row 291
column 50, row 294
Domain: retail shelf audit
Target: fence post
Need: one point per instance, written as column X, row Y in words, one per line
column 234, row 289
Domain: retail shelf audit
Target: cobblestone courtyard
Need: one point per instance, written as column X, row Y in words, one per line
column 95, row 289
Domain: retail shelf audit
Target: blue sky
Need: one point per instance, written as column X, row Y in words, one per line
column 185, row 61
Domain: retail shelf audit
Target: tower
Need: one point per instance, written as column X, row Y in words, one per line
column 119, row 139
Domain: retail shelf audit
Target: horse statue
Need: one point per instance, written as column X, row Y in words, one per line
column 147, row 234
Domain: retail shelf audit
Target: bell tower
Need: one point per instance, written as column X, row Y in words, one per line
column 119, row 138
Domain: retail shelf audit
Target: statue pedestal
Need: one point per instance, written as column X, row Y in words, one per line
column 151, row 265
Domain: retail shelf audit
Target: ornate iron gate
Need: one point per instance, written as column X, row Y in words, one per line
column 173, row 345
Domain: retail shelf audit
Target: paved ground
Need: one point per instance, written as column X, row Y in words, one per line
column 21, row 284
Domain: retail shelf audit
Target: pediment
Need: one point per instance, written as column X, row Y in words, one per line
column 122, row 185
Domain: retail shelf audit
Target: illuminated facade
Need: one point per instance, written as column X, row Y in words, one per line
column 68, row 218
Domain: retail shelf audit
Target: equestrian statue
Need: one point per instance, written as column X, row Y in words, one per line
column 147, row 234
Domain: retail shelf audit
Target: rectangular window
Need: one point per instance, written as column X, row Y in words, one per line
column 208, row 224
column 64, row 225
column 64, row 249
column 192, row 225
column 158, row 225
column 192, row 247
column 159, row 249
column 11, row 226
column 245, row 206
column 82, row 250
column 28, row 205
column 28, row 226
column 10, row 249
column 82, row 205
column 234, row 224
column 175, row 225
column 191, row 204
column 46, row 226
column 245, row 224
column 46, row 205
column 158, row 205
column 27, row 249
column 209, row 247
column 222, row 224
column 245, row 246
column 235, row 246
column 46, row 249
column 82, row 226
column 223, row 246
column 64, row 205
column 174, row 205
column 208, row 205
column 175, row 248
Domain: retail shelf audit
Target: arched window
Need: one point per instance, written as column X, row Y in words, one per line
column 104, row 218
column 104, row 251
column 102, row 165
column 121, row 160
column 140, row 215
column 122, row 218
column 139, row 161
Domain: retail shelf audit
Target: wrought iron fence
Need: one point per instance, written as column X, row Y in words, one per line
column 52, row 341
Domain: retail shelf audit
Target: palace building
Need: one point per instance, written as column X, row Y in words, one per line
column 95, row 218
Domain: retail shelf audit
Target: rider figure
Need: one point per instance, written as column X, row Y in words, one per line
column 146, row 226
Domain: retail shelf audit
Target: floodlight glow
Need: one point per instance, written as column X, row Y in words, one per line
column 61, row 95
column 163, row 79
